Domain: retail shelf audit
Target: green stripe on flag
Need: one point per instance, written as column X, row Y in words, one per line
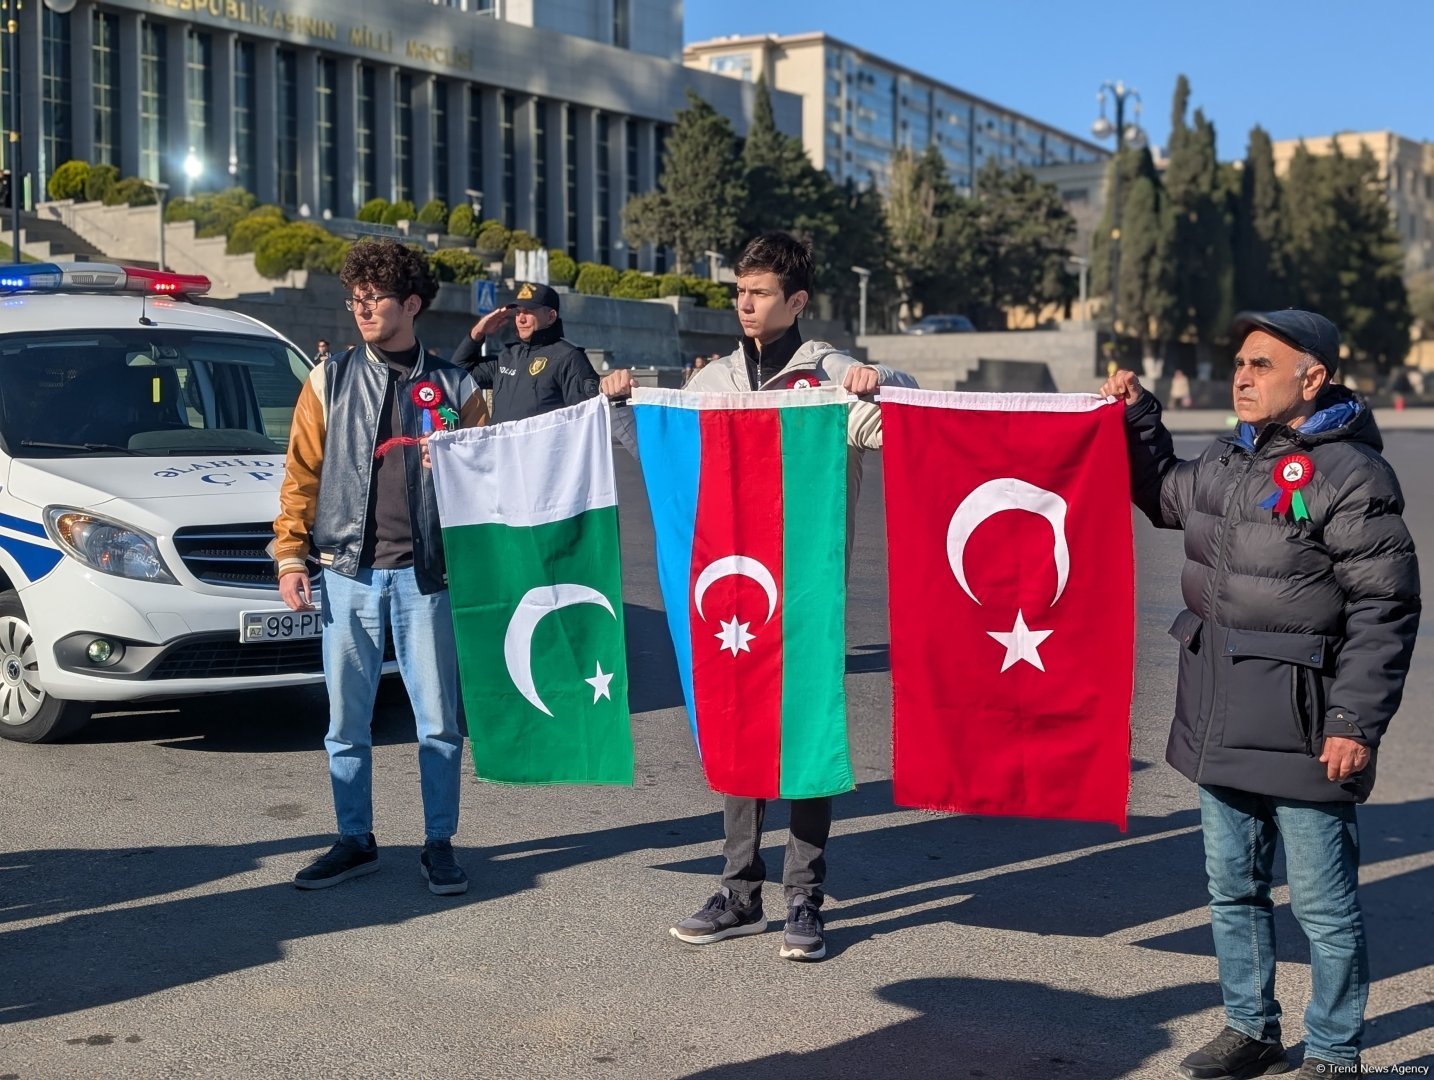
column 815, row 759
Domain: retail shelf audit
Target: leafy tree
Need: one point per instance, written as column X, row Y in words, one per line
column 1200, row 249
column 699, row 197
column 1261, row 239
column 69, row 180
column 920, row 211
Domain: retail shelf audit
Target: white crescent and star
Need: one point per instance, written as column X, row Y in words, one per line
column 735, row 636
column 989, row 499
column 518, row 640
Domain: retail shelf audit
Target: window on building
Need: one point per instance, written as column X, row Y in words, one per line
column 287, row 146
column 540, row 170
column 244, row 104
column 475, row 138
column 659, row 146
column 739, row 67
column 199, row 96
column 326, row 118
column 630, row 145
column 570, row 175
column 603, row 178
column 438, row 139
column 403, row 137
column 366, row 175
column 153, row 114
column 104, row 75
column 510, row 175
column 56, row 144
column 622, row 23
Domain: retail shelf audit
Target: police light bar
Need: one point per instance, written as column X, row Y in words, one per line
column 98, row 277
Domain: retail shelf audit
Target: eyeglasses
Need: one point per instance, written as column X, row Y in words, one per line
column 368, row 303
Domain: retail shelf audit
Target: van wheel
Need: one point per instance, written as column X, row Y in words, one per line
column 27, row 712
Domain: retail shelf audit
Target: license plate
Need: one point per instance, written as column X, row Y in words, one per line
column 259, row 626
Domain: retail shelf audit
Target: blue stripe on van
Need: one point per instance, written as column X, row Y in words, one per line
column 34, row 528
column 34, row 561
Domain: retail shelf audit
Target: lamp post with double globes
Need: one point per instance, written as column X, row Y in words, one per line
column 1125, row 135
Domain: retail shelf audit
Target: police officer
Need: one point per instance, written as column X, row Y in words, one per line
column 537, row 373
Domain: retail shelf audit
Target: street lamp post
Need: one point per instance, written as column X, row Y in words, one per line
column 1124, row 135
column 1083, row 269
column 863, row 276
column 12, row 71
column 160, row 190
column 475, row 200
column 715, row 259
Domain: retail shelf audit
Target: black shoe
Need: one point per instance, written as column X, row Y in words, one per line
column 803, row 938
column 349, row 858
column 443, row 874
column 1233, row 1055
column 1319, row 1069
column 721, row 917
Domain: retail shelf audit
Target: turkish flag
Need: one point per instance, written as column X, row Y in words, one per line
column 1012, row 590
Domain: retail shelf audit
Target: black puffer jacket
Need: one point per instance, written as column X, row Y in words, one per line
column 1295, row 630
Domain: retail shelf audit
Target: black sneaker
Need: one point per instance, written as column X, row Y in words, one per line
column 803, row 938
column 1233, row 1055
column 721, row 917
column 443, row 874
column 349, row 858
column 1319, row 1069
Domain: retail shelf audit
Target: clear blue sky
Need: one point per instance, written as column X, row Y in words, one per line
column 1299, row 68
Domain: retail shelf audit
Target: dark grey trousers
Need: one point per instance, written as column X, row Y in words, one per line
column 804, row 867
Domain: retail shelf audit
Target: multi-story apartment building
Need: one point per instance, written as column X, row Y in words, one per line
column 859, row 109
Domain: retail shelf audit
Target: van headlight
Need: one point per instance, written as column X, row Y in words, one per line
column 110, row 547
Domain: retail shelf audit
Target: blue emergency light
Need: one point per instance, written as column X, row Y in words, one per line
column 97, row 277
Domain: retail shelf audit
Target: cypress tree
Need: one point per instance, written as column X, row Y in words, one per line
column 1261, row 240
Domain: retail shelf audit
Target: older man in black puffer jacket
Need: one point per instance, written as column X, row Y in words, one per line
column 1302, row 597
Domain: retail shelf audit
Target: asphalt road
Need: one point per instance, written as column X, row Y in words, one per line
column 148, row 927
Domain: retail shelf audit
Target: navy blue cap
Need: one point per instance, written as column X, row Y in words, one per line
column 531, row 296
column 1304, row 330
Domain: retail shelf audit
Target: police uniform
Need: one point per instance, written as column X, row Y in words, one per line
column 531, row 377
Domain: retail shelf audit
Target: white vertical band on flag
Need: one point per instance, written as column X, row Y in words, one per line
column 960, row 399
column 526, row 472
column 766, row 399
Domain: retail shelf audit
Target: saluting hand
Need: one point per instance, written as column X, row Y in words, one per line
column 491, row 323
column 1123, row 386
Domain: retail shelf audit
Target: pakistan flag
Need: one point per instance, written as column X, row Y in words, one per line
column 529, row 513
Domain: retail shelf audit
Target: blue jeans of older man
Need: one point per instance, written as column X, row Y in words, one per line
column 1322, row 859
column 358, row 613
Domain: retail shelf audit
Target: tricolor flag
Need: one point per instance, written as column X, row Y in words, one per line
column 748, row 496
column 1012, row 585
column 529, row 513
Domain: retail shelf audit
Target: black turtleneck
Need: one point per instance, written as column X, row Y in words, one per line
column 388, row 539
column 765, row 361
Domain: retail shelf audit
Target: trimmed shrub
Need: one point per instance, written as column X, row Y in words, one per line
column 562, row 268
column 493, row 238
column 434, row 212
column 248, row 231
column 327, row 257
column 131, row 190
column 672, row 285
column 635, row 285
column 402, row 210
column 373, row 211
column 69, row 180
column 709, row 293
column 460, row 221
column 456, row 264
column 287, row 247
column 101, row 179
column 596, row 280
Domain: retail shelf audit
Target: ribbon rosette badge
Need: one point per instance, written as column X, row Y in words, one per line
column 1291, row 473
column 436, row 415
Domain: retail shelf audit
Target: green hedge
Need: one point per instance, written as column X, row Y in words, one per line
column 101, row 180
column 373, row 211
column 434, row 212
column 562, row 269
column 456, row 264
column 244, row 237
column 287, row 247
column 460, row 221
column 69, row 180
column 403, row 210
column 327, row 256
column 131, row 190
column 595, row 279
column 493, row 237
column 635, row 285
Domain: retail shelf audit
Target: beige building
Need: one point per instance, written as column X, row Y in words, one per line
column 1407, row 168
column 858, row 110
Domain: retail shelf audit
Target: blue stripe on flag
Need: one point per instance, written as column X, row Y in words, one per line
column 35, row 561
column 34, row 528
column 670, row 444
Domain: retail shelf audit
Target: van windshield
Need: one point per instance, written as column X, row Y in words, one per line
column 146, row 392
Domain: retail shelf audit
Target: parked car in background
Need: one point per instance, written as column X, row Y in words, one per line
column 941, row 324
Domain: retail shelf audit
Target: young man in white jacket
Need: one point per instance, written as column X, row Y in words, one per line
column 774, row 286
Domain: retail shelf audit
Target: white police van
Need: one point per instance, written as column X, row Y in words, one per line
column 142, row 443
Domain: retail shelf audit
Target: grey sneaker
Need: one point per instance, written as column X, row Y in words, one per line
column 803, row 938
column 721, row 917
column 351, row 857
column 1233, row 1055
column 442, row 872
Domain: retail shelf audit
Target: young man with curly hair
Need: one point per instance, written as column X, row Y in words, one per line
column 357, row 495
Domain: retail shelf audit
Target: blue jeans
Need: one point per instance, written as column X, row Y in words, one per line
column 1322, row 857
column 357, row 613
